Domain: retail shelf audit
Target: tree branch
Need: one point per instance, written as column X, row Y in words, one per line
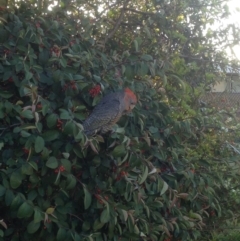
column 118, row 22
column 140, row 12
column 8, row 127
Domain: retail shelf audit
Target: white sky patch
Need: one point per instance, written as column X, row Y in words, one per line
column 54, row 3
column 234, row 7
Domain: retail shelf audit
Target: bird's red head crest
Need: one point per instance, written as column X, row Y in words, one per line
column 130, row 94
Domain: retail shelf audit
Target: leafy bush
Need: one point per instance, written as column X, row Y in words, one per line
column 156, row 177
column 232, row 235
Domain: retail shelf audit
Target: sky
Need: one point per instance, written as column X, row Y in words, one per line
column 234, row 5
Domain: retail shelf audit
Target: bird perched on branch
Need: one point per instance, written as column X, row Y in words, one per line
column 108, row 111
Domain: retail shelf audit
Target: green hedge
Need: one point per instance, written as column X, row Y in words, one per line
column 153, row 178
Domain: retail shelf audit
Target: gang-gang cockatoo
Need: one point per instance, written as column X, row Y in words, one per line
column 108, row 111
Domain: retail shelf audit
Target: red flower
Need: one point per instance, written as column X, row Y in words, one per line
column 71, row 85
column 59, row 124
column 26, row 151
column 95, row 90
column 121, row 174
column 60, row 169
column 99, row 198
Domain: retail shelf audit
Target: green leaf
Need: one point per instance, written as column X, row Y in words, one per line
column 33, row 227
column 50, row 210
column 28, row 127
column 33, row 165
column 181, row 82
column 195, row 215
column 95, row 100
column 166, row 132
column 27, row 114
column 61, row 234
column 78, row 152
column 143, row 69
column 1, row 145
column 67, row 164
column 32, row 195
column 164, row 188
column 147, row 57
column 2, row 114
column 27, row 169
column 97, row 225
column 38, row 217
column 129, row 72
column 9, row 197
column 105, row 215
column 51, row 120
column 66, row 155
column 144, row 176
column 25, row 134
column 164, row 80
column 17, row 129
column 119, row 151
column 34, row 179
column 28, row 75
column 52, row 162
column 87, row 198
column 68, row 128
column 64, row 115
column 153, row 129
column 2, row 190
column 71, row 182
column 15, row 180
column 39, row 144
column 97, row 78
column 25, row 210
column 136, row 45
column 147, row 31
column 86, row 226
column 78, row 77
column 16, row 203
column 5, row 94
column 123, row 214
column 50, row 135
column 38, row 68
column 63, row 62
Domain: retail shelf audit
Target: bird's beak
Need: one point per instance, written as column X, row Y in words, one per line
column 131, row 107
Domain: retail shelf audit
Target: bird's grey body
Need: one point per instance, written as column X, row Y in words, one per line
column 102, row 121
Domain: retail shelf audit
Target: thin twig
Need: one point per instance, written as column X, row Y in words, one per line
column 71, row 214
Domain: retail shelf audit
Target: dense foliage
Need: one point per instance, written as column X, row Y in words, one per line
column 161, row 173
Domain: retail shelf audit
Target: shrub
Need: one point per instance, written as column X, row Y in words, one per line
column 153, row 178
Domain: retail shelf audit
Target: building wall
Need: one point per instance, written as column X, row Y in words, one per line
column 232, row 85
column 236, row 87
column 219, row 87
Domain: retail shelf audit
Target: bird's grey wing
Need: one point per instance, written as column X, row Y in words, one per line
column 104, row 115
